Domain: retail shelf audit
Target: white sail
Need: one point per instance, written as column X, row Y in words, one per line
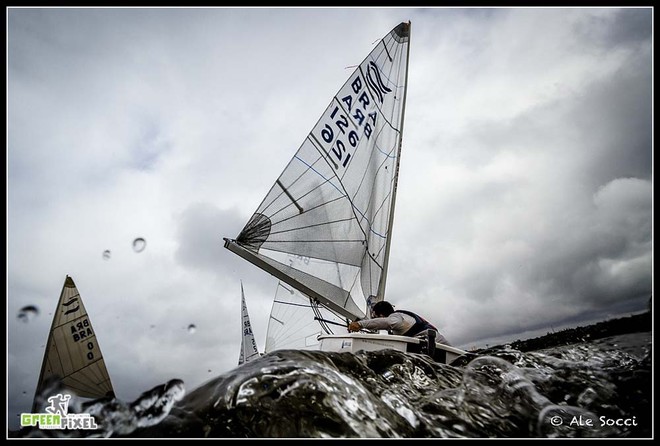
column 72, row 352
column 334, row 202
column 296, row 321
column 249, row 350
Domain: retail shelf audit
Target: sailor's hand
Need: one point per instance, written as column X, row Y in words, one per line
column 354, row 326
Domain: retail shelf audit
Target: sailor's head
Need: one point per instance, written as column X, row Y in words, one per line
column 382, row 309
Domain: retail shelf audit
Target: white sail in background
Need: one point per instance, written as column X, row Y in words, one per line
column 334, row 202
column 249, row 349
column 72, row 351
column 296, row 321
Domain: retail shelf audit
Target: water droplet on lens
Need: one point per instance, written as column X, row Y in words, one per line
column 139, row 244
column 27, row 313
column 106, row 254
column 192, row 328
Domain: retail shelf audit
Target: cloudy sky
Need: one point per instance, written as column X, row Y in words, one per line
column 525, row 195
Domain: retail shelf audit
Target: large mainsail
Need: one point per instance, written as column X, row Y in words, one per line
column 72, row 352
column 249, row 349
column 333, row 204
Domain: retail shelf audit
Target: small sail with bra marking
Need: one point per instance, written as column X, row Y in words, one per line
column 249, row 350
column 72, row 352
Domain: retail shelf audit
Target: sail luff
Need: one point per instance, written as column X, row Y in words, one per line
column 383, row 277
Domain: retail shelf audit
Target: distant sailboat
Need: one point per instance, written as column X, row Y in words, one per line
column 249, row 350
column 72, row 353
column 333, row 207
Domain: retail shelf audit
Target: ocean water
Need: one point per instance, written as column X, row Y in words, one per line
column 596, row 389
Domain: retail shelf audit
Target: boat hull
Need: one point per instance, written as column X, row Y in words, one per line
column 354, row 342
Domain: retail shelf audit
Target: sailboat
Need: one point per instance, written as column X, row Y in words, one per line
column 72, row 352
column 332, row 208
column 249, row 350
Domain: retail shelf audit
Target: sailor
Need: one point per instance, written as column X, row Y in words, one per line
column 397, row 322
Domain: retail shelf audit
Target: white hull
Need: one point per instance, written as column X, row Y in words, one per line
column 354, row 342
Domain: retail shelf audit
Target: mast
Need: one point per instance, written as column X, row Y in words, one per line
column 383, row 278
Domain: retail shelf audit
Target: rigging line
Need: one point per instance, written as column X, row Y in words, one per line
column 326, row 321
column 274, row 242
column 291, row 304
column 319, row 318
column 308, row 209
column 317, row 172
column 315, row 225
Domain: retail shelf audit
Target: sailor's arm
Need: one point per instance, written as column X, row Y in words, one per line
column 379, row 323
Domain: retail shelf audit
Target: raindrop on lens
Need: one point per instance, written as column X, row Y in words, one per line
column 27, row 313
column 192, row 328
column 106, row 254
column 139, row 244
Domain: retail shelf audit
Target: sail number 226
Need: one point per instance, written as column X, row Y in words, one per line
column 339, row 148
column 341, row 134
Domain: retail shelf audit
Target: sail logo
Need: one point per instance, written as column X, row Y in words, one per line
column 71, row 302
column 375, row 82
column 58, row 416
